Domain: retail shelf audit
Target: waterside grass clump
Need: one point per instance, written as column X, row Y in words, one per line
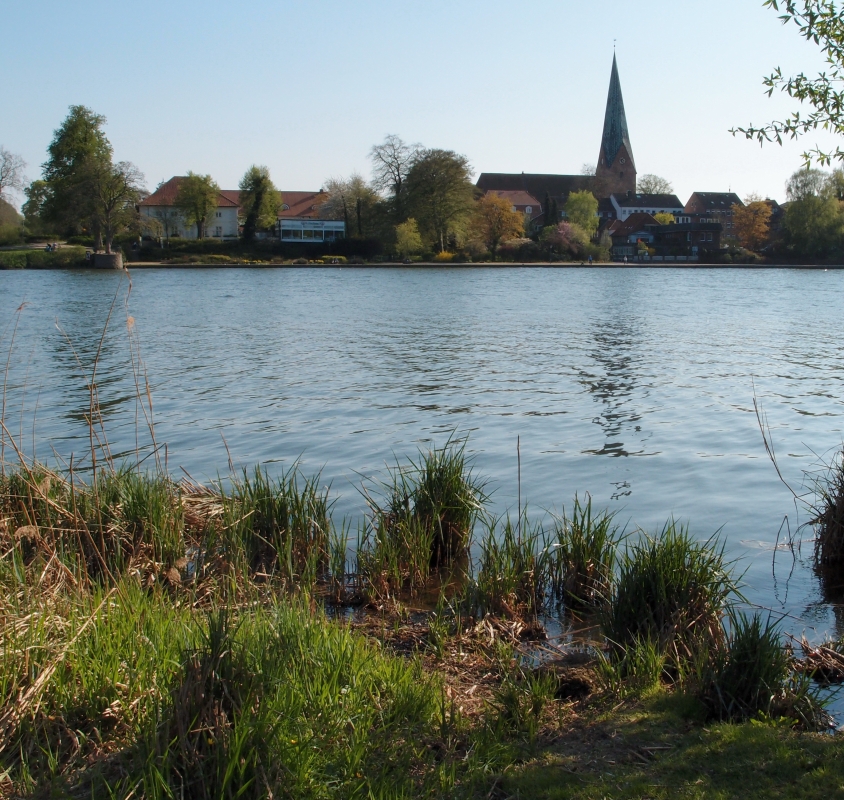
column 671, row 590
column 828, row 520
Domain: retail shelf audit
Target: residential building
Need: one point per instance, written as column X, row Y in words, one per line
column 717, row 206
column 628, row 233
column 166, row 221
column 687, row 239
column 298, row 219
column 624, row 205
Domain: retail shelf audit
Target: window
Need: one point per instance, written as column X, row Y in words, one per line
column 286, row 233
column 285, row 207
column 529, row 209
column 708, row 237
column 218, row 231
column 219, row 214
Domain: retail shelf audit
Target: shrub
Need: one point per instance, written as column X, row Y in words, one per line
column 13, row 259
column 40, row 259
column 334, row 259
column 300, row 261
column 671, row 590
column 10, row 234
column 444, row 256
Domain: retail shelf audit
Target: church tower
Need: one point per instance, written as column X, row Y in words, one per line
column 616, row 169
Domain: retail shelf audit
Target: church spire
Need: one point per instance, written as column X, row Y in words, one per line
column 615, row 161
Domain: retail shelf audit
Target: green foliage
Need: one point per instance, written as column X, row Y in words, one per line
column 671, row 590
column 819, row 21
column 582, row 210
column 40, row 259
column 278, row 527
column 512, row 576
column 636, row 669
column 197, row 200
column 440, row 195
column 260, row 201
column 582, row 550
column 79, row 147
column 10, row 234
column 494, row 221
column 751, row 675
column 423, row 522
column 814, row 226
column 408, row 239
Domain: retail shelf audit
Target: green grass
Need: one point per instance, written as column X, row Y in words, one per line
column 583, row 550
column 671, row 590
column 423, row 522
column 657, row 748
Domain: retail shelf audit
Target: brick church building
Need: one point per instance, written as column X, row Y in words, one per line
column 615, row 171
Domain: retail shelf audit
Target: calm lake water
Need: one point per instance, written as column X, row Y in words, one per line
column 636, row 386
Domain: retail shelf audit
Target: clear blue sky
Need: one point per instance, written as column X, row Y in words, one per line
column 307, row 87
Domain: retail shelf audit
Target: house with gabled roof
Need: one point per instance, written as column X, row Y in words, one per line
column 630, row 203
column 160, row 209
column 715, row 207
column 298, row 219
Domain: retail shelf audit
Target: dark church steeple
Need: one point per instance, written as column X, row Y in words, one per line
column 616, row 168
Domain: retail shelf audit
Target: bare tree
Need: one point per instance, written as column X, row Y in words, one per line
column 116, row 189
column 11, row 173
column 391, row 161
column 653, row 184
column 351, row 200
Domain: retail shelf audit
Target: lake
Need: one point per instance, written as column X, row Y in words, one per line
column 633, row 385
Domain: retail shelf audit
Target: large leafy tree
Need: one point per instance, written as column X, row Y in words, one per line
column 752, row 223
column 196, row 200
column 391, row 163
column 814, row 223
column 440, row 194
column 79, row 151
column 495, row 221
column 821, row 22
column 259, row 199
column 582, row 210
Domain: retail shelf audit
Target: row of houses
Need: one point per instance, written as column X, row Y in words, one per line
column 704, row 223
column 298, row 218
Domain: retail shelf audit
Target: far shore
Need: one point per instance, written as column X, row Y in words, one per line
column 486, row 265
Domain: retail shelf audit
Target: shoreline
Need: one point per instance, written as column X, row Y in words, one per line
column 433, row 265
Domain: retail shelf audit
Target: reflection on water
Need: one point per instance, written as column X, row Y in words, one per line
column 349, row 369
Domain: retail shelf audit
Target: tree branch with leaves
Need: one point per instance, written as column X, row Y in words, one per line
column 821, row 22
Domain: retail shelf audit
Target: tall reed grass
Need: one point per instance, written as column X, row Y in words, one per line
column 671, row 590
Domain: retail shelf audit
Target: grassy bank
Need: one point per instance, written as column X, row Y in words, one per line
column 166, row 639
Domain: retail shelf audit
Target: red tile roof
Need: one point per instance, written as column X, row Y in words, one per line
column 302, row 205
column 517, row 198
column 165, row 195
column 635, row 222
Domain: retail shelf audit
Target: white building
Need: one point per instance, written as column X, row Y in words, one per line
column 298, row 219
column 627, row 204
column 166, row 221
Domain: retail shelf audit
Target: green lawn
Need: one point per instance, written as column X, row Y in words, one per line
column 655, row 749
